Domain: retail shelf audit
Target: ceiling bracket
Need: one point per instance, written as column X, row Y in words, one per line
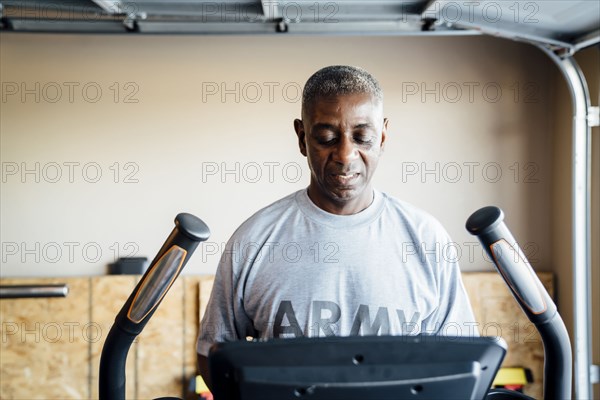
column 130, row 21
column 428, row 24
column 593, row 116
column 281, row 26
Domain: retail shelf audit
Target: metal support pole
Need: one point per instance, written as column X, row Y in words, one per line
column 29, row 291
column 581, row 217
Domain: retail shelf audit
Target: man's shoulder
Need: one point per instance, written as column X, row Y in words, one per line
column 415, row 217
column 268, row 216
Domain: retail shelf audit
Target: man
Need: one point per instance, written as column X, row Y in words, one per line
column 338, row 258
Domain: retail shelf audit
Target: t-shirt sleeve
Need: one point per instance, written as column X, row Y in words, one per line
column 454, row 315
column 225, row 318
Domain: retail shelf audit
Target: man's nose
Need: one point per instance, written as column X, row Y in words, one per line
column 345, row 151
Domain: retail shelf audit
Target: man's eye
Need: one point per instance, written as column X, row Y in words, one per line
column 326, row 140
column 363, row 139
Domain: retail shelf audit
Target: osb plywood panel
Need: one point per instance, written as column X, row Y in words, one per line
column 205, row 290
column 108, row 295
column 498, row 314
column 167, row 347
column 44, row 351
column 160, row 349
column 159, row 361
column 191, row 295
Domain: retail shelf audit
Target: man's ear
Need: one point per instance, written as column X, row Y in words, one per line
column 383, row 133
column 299, row 128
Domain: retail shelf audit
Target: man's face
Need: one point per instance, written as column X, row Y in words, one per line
column 342, row 138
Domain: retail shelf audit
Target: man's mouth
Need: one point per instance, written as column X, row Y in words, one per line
column 345, row 179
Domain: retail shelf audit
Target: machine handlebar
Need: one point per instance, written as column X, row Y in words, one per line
column 189, row 231
column 488, row 225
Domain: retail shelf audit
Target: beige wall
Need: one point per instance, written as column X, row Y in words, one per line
column 164, row 128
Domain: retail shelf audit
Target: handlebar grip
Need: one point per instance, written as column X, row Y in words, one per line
column 189, row 231
column 488, row 225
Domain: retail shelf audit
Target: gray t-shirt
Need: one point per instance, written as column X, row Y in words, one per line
column 293, row 269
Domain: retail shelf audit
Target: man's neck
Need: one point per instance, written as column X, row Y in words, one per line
column 344, row 208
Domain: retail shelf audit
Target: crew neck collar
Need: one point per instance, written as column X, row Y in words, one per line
column 321, row 216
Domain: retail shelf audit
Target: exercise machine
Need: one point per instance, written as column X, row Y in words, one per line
column 378, row 367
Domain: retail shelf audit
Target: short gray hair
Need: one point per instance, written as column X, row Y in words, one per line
column 338, row 80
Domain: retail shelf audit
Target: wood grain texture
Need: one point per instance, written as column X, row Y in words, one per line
column 191, row 296
column 498, row 314
column 44, row 343
column 205, row 290
column 160, row 349
column 108, row 295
